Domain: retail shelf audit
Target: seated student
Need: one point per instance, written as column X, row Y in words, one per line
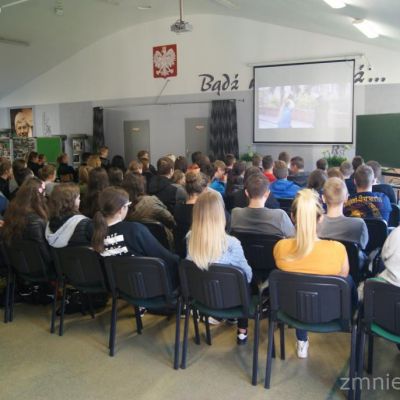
column 178, row 180
column 239, row 198
column 148, row 170
column 17, row 165
column 334, row 225
column 219, row 177
column 235, row 179
column 391, row 258
column 26, row 216
column 196, row 183
column 144, row 207
column 5, row 176
column 33, row 162
column 98, row 180
column 306, row 253
column 116, row 162
column 65, row 172
column 230, row 161
column 113, row 236
column 334, row 172
column 66, row 226
column 322, row 164
column 381, row 187
column 282, row 188
column 316, row 180
column 161, row 185
column 42, row 161
column 48, row 175
column 268, row 165
column 135, row 167
column 347, row 170
column 257, row 161
column 297, row 174
column 208, row 243
column 256, row 218
column 94, row 161
column 181, row 163
column 285, row 157
column 21, row 175
column 115, row 176
column 366, row 203
column 103, row 154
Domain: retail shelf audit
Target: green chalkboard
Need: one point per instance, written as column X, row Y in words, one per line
column 51, row 147
column 378, row 138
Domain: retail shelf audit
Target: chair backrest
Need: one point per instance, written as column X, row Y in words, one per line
column 258, row 250
column 82, row 267
column 382, row 305
column 312, row 299
column 25, row 258
column 138, row 278
column 286, row 205
column 394, row 218
column 157, row 229
column 377, row 231
column 221, row 287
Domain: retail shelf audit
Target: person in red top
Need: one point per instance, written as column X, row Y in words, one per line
column 268, row 164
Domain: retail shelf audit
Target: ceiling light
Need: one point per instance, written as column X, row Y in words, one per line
column 366, row 27
column 144, row 8
column 336, row 3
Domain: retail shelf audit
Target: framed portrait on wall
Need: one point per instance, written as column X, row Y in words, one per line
column 21, row 122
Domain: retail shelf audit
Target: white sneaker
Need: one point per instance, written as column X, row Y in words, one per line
column 215, row 321
column 302, row 349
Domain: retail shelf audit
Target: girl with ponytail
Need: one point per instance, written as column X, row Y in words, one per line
column 307, row 254
column 115, row 237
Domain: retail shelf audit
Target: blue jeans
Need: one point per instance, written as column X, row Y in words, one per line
column 301, row 334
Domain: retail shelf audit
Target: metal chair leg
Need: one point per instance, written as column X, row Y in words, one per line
column 61, row 327
column 138, row 318
column 185, row 336
column 370, row 354
column 11, row 299
column 53, row 307
column 177, row 332
column 352, row 362
column 208, row 332
column 255, row 347
column 113, row 326
column 90, row 303
column 7, row 299
column 196, row 326
column 268, row 368
column 282, row 340
column 360, row 366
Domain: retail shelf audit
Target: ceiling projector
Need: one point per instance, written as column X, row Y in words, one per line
column 181, row 26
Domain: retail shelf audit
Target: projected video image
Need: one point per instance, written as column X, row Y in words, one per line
column 304, row 106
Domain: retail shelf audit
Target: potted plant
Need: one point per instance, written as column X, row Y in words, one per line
column 336, row 155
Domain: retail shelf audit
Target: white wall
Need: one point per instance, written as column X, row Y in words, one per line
column 120, row 65
column 117, row 71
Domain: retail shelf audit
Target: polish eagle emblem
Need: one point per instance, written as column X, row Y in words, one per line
column 164, row 61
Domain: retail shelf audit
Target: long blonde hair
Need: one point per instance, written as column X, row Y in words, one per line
column 306, row 210
column 207, row 240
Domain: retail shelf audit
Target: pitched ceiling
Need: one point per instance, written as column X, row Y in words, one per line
column 54, row 38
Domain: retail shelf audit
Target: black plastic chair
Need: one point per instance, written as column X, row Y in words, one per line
column 354, row 255
column 258, row 250
column 377, row 231
column 286, row 205
column 82, row 268
column 142, row 282
column 222, row 292
column 381, row 317
column 25, row 260
column 394, row 218
column 314, row 303
column 157, row 229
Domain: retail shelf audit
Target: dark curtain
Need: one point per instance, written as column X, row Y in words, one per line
column 98, row 129
column 223, row 129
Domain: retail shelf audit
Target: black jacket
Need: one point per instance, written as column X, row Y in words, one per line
column 34, row 231
column 163, row 188
column 239, row 199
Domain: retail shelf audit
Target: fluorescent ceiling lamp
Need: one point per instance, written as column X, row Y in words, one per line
column 336, row 3
column 14, row 42
column 366, row 27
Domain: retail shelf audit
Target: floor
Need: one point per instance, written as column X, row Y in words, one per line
column 37, row 365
